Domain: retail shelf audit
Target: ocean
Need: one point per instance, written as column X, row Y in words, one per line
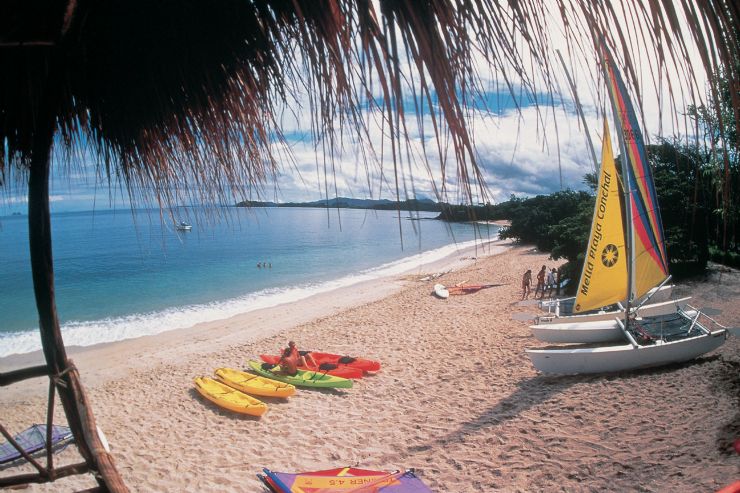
column 123, row 274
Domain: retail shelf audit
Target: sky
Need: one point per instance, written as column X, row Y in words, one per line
column 525, row 152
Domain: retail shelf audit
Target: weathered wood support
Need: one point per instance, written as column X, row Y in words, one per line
column 14, row 376
column 63, row 374
column 60, row 472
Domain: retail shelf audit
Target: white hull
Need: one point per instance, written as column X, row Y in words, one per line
column 441, row 291
column 606, row 359
column 595, row 331
column 659, row 295
column 596, row 327
column 583, row 332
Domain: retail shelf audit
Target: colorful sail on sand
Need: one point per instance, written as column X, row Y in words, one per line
column 641, row 263
column 343, row 480
column 649, row 259
column 606, row 257
column 652, row 341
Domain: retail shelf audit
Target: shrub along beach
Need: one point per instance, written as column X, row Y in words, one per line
column 457, row 398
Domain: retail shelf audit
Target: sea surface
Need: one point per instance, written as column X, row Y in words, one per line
column 123, row 274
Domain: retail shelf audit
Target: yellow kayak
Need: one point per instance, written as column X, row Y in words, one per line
column 254, row 384
column 229, row 398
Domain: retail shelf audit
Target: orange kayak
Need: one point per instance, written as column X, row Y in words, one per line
column 366, row 365
column 468, row 288
column 337, row 370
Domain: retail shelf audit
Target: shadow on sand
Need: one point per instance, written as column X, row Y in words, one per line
column 541, row 388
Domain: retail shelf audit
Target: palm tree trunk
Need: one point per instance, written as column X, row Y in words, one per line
column 62, row 371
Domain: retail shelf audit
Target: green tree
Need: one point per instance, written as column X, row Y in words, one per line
column 720, row 165
column 684, row 205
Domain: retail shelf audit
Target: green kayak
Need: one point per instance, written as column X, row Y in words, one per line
column 304, row 378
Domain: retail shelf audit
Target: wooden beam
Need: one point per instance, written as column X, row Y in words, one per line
column 19, row 44
column 70, row 470
column 103, row 460
column 14, row 376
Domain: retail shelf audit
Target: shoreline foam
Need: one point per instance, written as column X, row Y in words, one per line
column 84, row 334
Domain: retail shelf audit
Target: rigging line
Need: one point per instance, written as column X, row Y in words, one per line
column 579, row 111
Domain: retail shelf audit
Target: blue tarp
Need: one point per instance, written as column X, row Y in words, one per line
column 33, row 440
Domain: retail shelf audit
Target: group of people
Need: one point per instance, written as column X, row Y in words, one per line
column 266, row 265
column 546, row 281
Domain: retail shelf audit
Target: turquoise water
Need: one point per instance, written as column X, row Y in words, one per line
column 121, row 275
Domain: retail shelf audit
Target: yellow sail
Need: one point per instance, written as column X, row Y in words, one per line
column 604, row 276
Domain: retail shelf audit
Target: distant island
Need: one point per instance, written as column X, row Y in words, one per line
column 447, row 212
column 348, row 203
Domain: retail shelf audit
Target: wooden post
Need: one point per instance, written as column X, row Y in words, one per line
column 79, row 415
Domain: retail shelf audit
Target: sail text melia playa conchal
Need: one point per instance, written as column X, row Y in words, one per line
column 604, row 276
column 597, row 236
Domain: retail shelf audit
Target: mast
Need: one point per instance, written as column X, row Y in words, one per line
column 608, row 64
column 629, row 245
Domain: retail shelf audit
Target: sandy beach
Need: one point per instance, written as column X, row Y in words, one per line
column 457, row 399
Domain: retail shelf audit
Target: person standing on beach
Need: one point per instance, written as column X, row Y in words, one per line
column 526, row 283
column 551, row 282
column 541, row 282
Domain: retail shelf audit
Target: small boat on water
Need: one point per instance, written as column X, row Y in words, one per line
column 183, row 226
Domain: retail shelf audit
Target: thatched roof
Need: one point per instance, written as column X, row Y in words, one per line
column 185, row 94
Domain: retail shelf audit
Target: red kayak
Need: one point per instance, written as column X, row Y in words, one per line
column 337, row 370
column 469, row 288
column 365, row 365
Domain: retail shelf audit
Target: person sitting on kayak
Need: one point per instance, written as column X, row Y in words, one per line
column 291, row 359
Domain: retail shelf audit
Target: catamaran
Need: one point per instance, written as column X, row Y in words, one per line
column 604, row 326
column 626, row 257
column 560, row 324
